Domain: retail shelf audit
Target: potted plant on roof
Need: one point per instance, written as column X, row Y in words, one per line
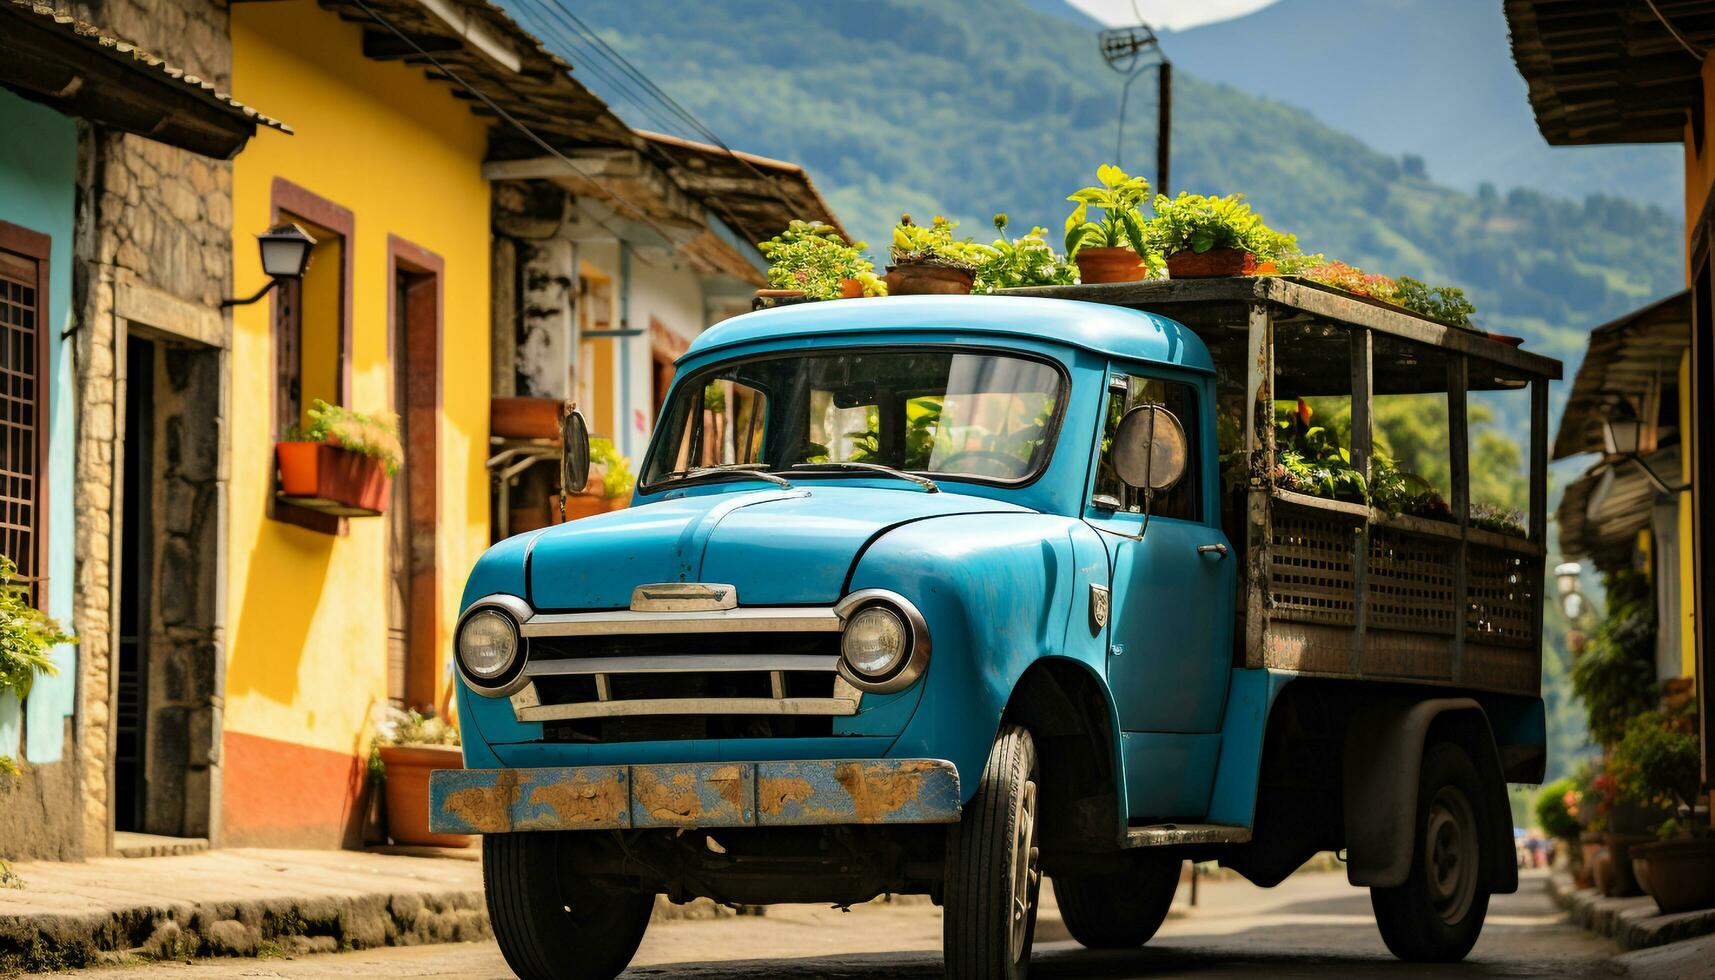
column 1214, row 236
column 408, row 746
column 1656, row 765
column 342, row 465
column 811, row 260
column 1115, row 248
column 1027, row 260
column 927, row 259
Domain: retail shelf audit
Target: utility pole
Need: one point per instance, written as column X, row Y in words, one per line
column 1129, row 51
column 1164, row 142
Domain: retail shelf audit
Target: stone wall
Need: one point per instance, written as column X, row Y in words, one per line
column 154, row 255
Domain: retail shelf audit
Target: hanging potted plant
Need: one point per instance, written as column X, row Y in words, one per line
column 408, row 747
column 927, row 259
column 1655, row 765
column 1214, row 236
column 342, row 465
column 1113, row 249
column 813, row 261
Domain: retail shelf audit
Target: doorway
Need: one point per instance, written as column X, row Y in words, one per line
column 131, row 710
column 413, row 511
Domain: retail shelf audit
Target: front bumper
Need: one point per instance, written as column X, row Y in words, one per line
column 704, row 794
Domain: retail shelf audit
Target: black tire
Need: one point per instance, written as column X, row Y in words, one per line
column 990, row 896
column 547, row 927
column 1437, row 914
column 1118, row 911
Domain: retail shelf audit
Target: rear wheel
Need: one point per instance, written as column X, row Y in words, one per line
column 992, row 878
column 1437, row 914
column 548, row 927
column 1117, row 911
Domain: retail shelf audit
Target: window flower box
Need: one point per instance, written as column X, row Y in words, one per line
column 331, row 479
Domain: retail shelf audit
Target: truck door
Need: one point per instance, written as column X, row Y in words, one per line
column 1171, row 614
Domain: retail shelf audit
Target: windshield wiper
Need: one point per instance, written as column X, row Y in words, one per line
column 928, row 485
column 731, row 471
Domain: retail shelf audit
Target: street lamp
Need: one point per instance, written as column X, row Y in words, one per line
column 285, row 255
column 1567, row 579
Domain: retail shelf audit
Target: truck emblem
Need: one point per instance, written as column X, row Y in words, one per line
column 683, row 597
column 1098, row 608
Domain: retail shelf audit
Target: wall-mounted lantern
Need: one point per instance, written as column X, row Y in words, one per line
column 285, row 255
column 1622, row 435
column 1568, row 583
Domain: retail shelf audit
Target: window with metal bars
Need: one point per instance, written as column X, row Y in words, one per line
column 23, row 404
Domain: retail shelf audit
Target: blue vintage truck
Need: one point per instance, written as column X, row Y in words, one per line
column 938, row 595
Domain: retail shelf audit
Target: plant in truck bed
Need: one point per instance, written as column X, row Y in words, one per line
column 1120, row 197
column 1199, row 224
column 815, row 258
column 934, row 244
column 1024, row 261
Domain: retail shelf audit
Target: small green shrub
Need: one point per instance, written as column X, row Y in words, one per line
column 616, row 476
column 1445, row 303
column 374, row 436
column 1655, row 762
column 1551, row 810
column 934, row 244
column 815, row 258
column 1197, row 223
column 27, row 639
column 1024, row 261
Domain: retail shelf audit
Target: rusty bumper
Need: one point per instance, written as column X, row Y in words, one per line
column 707, row 794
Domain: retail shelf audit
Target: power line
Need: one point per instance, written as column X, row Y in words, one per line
column 514, row 121
column 1699, row 55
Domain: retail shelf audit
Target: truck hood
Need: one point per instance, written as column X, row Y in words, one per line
column 777, row 546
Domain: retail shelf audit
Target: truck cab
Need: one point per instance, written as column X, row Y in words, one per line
column 936, row 595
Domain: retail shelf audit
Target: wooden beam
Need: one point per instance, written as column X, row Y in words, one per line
column 1459, row 472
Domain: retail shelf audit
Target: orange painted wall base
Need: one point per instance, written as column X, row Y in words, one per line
column 280, row 794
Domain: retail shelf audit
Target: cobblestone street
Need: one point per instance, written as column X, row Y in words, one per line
column 1314, row 925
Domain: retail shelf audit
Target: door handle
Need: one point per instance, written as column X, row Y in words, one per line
column 1218, row 550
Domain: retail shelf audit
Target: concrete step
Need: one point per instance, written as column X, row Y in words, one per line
column 128, row 844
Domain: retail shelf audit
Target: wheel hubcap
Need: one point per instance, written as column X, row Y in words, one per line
column 1024, row 872
column 1450, row 854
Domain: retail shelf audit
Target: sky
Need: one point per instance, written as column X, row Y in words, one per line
column 1177, row 14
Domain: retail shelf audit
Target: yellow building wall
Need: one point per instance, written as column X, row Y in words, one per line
column 307, row 612
column 1687, row 582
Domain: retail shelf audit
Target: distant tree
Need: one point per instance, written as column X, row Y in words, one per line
column 1412, row 166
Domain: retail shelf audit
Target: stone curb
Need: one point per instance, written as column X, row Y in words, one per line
column 1634, row 923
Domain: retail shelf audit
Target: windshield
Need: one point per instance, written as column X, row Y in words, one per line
column 981, row 415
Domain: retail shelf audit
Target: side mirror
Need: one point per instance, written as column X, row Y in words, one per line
column 1151, row 451
column 574, row 452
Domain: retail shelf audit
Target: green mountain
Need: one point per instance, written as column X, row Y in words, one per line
column 921, row 106
column 1464, row 111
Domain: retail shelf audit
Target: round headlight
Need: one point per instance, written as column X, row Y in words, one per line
column 488, row 644
column 875, row 642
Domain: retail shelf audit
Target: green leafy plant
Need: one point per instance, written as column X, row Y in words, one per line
column 1024, row 261
column 616, row 476
column 1655, row 762
column 27, row 639
column 1499, row 519
column 374, row 436
column 1119, row 196
column 934, row 244
column 1445, row 303
column 814, row 257
column 1615, row 675
column 1551, row 810
column 1197, row 223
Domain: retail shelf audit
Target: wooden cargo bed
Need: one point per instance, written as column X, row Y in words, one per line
column 1340, row 588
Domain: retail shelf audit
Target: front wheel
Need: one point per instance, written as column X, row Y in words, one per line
column 548, row 928
column 1436, row 915
column 1121, row 910
column 992, row 878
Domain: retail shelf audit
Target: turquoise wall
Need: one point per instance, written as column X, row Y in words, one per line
column 38, row 167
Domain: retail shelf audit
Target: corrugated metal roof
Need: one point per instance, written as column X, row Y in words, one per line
column 1627, row 359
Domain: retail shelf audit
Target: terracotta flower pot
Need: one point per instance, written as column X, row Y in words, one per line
column 524, row 418
column 851, row 289
column 408, row 768
column 1679, row 874
column 618, row 503
column 328, row 478
column 1623, row 884
column 927, row 279
column 1109, row 265
column 1214, row 262
column 580, row 505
